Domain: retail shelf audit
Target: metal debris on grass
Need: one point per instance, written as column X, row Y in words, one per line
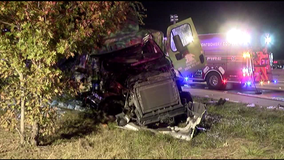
column 251, row 105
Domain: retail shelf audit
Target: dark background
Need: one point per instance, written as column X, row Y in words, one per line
column 259, row 17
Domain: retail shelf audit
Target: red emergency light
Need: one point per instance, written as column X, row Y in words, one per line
column 275, row 61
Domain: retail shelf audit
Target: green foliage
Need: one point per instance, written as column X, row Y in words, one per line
column 41, row 33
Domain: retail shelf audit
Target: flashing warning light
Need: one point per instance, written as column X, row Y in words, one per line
column 186, row 78
column 275, row 81
column 261, row 83
column 268, row 82
column 249, row 83
column 236, row 36
column 224, row 81
column 245, row 71
column 246, row 55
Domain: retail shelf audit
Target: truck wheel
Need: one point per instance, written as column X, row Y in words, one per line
column 214, row 81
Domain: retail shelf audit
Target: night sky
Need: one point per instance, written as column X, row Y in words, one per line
column 259, row 17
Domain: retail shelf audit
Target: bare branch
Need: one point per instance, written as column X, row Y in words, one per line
column 10, row 24
column 19, row 132
column 6, row 23
column 36, row 66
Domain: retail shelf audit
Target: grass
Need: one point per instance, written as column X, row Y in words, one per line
column 235, row 131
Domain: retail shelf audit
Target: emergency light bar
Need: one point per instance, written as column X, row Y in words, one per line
column 236, row 36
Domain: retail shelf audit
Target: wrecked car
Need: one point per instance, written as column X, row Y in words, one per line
column 132, row 80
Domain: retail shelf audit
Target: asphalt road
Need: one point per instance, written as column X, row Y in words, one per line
column 268, row 97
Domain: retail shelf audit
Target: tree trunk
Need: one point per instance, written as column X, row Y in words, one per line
column 35, row 134
column 22, row 136
column 22, row 120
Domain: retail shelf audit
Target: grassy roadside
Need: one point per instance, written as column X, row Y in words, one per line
column 235, row 132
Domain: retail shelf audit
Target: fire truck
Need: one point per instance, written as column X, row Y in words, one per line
column 227, row 62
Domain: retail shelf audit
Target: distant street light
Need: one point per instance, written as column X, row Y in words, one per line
column 174, row 18
column 267, row 43
column 267, row 39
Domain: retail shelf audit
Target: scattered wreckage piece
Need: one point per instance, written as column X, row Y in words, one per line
column 278, row 107
column 221, row 101
column 184, row 133
column 251, row 105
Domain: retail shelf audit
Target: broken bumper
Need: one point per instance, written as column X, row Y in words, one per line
column 184, row 133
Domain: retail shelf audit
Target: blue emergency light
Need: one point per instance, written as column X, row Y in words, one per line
column 275, row 81
column 186, row 78
column 249, row 83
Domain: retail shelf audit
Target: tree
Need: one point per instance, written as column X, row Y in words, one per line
column 39, row 34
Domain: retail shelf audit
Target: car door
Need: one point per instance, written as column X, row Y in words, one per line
column 187, row 57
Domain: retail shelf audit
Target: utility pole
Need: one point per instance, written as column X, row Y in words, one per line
column 174, row 18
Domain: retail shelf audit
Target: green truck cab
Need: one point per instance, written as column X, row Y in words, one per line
column 137, row 83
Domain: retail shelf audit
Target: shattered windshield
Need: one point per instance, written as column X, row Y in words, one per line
column 146, row 51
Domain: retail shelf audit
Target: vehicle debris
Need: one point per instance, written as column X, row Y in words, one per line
column 131, row 79
column 278, row 107
column 184, row 133
column 281, row 108
column 221, row 101
column 272, row 107
column 278, row 98
column 251, row 105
